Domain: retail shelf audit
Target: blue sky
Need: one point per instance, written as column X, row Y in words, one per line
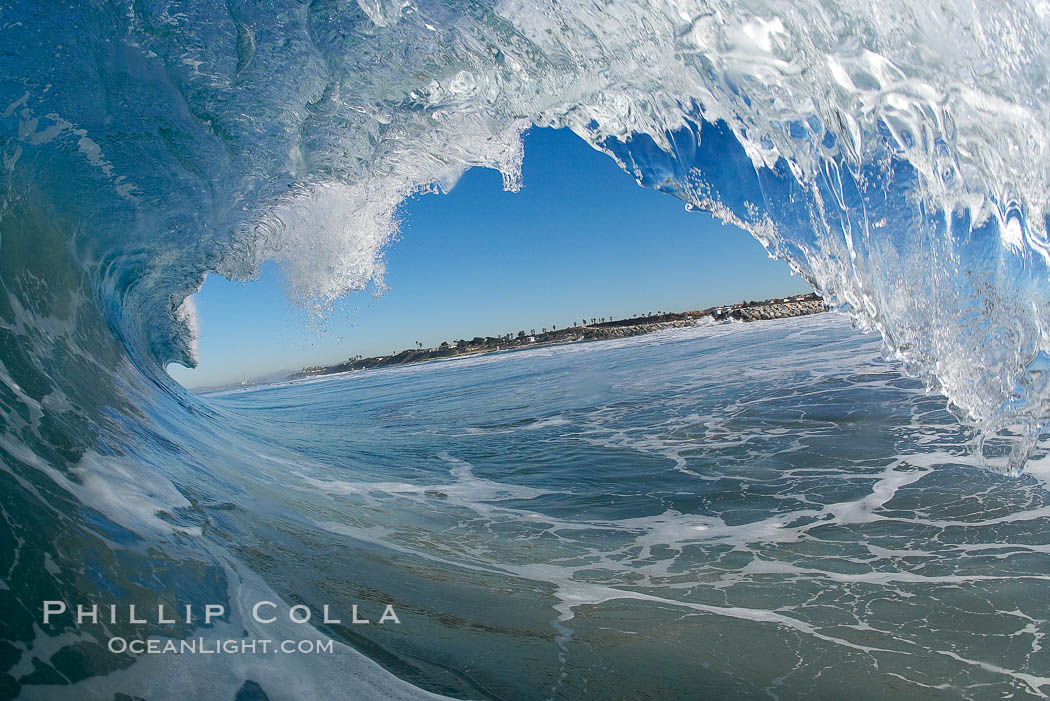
column 580, row 239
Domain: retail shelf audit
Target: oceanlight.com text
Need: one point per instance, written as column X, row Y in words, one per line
column 227, row 646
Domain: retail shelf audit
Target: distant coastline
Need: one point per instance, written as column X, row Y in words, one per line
column 593, row 329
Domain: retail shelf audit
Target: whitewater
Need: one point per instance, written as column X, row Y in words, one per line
column 894, row 154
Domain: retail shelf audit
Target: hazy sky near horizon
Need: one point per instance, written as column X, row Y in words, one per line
column 580, row 239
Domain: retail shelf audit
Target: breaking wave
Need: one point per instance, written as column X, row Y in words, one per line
column 895, row 155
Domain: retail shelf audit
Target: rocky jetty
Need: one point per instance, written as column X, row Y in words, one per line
column 597, row 333
column 779, row 308
column 772, row 309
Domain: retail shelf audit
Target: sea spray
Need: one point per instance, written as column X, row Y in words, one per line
column 894, row 154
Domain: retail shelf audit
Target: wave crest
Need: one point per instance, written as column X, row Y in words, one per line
column 896, row 155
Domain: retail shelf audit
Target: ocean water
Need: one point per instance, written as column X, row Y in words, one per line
column 894, row 154
column 727, row 511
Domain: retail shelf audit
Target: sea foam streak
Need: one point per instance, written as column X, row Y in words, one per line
column 895, row 154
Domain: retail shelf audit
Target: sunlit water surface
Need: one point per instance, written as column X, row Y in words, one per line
column 734, row 510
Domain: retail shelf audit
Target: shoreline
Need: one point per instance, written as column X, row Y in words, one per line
column 764, row 310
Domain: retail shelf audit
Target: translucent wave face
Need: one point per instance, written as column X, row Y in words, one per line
column 895, row 154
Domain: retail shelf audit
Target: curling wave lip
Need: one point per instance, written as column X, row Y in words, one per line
column 903, row 172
